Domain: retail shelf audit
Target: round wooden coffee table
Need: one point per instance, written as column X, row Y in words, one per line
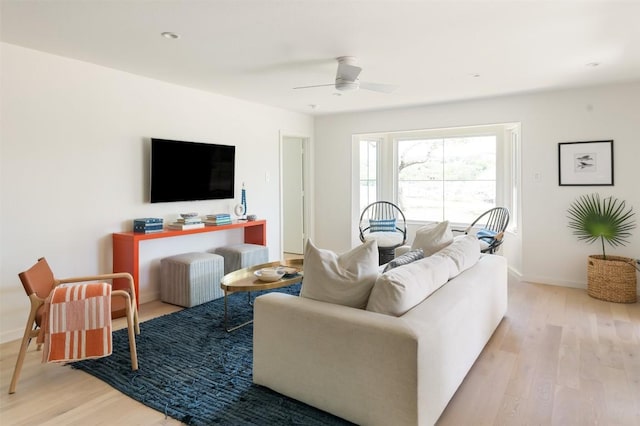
column 244, row 280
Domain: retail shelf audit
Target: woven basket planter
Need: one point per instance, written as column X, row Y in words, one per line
column 613, row 279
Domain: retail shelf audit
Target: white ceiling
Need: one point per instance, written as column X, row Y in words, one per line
column 258, row 50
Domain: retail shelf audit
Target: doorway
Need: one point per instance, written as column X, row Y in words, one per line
column 293, row 195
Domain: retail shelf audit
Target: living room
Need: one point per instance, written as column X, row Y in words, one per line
column 75, row 149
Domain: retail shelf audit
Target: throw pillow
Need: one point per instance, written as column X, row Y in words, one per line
column 382, row 225
column 461, row 255
column 344, row 279
column 486, row 233
column 486, row 238
column 400, row 289
column 433, row 237
column 405, row 259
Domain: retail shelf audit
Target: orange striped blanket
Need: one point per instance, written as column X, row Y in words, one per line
column 77, row 322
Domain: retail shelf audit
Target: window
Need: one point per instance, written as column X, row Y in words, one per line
column 446, row 178
column 368, row 172
column 446, row 174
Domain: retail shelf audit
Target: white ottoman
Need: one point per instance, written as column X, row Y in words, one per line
column 191, row 279
column 243, row 255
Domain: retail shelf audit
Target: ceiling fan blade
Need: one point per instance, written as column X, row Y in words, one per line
column 348, row 72
column 377, row 87
column 317, row 85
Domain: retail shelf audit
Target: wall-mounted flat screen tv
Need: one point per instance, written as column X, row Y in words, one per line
column 189, row 171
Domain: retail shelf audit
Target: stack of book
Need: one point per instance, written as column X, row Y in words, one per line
column 147, row 225
column 184, row 223
column 218, row 219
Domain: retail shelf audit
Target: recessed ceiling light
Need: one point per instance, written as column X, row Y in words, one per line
column 593, row 64
column 337, row 94
column 170, row 35
column 474, row 75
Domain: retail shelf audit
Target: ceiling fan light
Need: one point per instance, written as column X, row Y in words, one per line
column 170, row 35
column 346, row 86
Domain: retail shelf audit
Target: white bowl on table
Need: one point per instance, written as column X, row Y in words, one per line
column 269, row 274
column 188, row 215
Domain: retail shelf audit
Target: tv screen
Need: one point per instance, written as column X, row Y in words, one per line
column 189, row 171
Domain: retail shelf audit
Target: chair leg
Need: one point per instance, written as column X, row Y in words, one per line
column 26, row 339
column 131, row 326
column 385, row 255
column 136, row 320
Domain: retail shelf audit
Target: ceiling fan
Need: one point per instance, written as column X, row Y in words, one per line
column 347, row 78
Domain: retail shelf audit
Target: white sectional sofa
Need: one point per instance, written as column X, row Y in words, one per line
column 379, row 369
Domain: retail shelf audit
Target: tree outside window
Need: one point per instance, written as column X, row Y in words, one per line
column 450, row 179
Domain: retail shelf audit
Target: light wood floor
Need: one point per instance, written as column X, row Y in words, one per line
column 559, row 357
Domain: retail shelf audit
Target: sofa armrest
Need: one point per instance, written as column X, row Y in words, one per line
column 367, row 363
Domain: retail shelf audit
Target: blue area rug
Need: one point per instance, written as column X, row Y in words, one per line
column 194, row 371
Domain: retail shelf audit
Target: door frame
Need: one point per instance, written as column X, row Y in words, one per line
column 307, row 186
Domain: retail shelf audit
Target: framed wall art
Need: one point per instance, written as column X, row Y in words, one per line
column 585, row 163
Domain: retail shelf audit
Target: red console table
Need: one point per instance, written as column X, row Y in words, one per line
column 126, row 249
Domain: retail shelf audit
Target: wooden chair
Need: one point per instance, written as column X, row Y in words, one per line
column 384, row 222
column 490, row 227
column 38, row 281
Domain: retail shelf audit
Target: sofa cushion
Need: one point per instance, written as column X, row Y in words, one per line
column 400, row 289
column 385, row 239
column 344, row 279
column 461, row 255
column 405, row 259
column 433, row 237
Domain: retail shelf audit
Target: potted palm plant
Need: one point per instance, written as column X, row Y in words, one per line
column 609, row 221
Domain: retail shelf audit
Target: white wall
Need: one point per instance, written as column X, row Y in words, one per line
column 550, row 253
column 74, row 154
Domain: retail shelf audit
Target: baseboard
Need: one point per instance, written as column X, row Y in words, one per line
column 514, row 274
column 519, row 276
column 148, row 296
column 8, row 336
column 552, row 281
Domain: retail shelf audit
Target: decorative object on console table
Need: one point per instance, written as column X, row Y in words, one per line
column 610, row 278
column 218, row 219
column 243, row 201
column 187, row 221
column 147, row 225
column 585, row 163
column 185, row 226
column 238, row 210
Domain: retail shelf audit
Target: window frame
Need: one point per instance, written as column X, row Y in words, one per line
column 507, row 161
column 379, row 141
